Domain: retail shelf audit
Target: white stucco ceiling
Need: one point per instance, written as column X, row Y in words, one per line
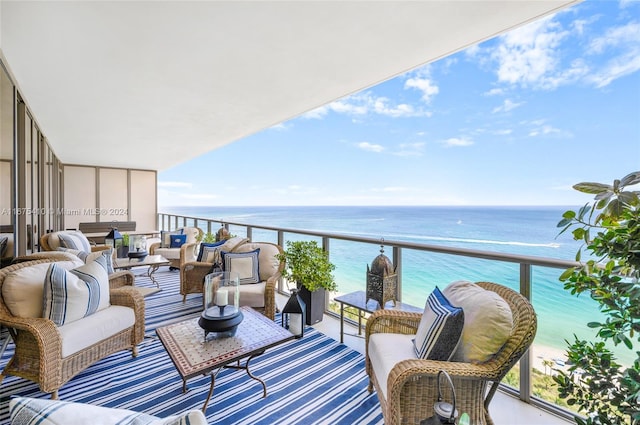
column 150, row 84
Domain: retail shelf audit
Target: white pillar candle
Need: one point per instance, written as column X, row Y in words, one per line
column 295, row 324
column 222, row 297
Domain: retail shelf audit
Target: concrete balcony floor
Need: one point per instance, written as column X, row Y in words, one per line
column 505, row 409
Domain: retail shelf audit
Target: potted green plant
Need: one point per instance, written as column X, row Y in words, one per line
column 601, row 388
column 308, row 265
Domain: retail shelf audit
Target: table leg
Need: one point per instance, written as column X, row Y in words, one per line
column 5, row 343
column 152, row 269
column 210, row 393
column 246, row 368
column 341, row 323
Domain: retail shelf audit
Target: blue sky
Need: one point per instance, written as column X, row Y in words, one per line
column 516, row 120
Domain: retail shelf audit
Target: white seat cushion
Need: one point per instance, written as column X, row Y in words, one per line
column 251, row 295
column 168, row 253
column 95, row 328
column 385, row 351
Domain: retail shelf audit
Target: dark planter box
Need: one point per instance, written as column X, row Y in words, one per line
column 314, row 304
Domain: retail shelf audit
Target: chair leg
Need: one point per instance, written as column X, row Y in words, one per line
column 134, row 351
column 54, row 395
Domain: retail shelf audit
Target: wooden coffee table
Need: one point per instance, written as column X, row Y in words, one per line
column 152, row 262
column 194, row 355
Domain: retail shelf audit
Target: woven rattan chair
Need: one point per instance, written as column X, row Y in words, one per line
column 50, row 242
column 38, row 355
column 411, row 384
column 270, row 268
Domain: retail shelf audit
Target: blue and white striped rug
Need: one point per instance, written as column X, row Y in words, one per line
column 315, row 380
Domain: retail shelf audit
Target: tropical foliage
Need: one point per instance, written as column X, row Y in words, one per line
column 308, row 264
column 603, row 390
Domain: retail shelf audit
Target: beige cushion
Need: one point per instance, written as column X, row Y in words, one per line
column 168, row 253
column 268, row 264
column 487, row 321
column 95, row 328
column 250, row 295
column 385, row 351
column 23, row 289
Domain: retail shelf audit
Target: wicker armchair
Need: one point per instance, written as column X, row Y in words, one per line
column 179, row 256
column 260, row 296
column 411, row 384
column 38, row 343
column 51, row 242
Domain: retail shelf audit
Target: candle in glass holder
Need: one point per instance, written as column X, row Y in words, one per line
column 222, row 297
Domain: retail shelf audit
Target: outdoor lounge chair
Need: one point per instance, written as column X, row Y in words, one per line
column 49, row 354
column 411, row 386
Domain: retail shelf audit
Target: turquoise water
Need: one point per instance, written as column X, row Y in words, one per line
column 516, row 230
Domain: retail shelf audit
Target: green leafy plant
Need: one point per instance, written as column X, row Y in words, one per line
column 595, row 382
column 308, row 264
column 125, row 239
column 209, row 238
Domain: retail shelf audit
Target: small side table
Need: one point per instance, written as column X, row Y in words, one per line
column 357, row 300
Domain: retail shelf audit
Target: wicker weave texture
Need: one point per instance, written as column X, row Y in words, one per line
column 412, row 385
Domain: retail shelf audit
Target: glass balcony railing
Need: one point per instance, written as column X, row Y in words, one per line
column 560, row 315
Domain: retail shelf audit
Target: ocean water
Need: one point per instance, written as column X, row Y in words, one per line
column 516, row 230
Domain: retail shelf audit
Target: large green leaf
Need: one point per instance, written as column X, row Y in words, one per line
column 630, row 179
column 595, row 188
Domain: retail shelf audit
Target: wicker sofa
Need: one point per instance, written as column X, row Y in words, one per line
column 411, row 386
column 51, row 355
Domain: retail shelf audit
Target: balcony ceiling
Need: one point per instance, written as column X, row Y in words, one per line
column 150, row 84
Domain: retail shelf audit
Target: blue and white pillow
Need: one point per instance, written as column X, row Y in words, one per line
column 440, row 328
column 165, row 237
column 26, row 410
column 177, row 241
column 210, row 252
column 88, row 257
column 74, row 240
column 245, row 264
column 71, row 295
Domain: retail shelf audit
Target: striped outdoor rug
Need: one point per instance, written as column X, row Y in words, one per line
column 315, row 380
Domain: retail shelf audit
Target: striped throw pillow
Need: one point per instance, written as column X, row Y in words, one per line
column 74, row 240
column 72, row 295
column 440, row 328
column 26, row 410
column 88, row 257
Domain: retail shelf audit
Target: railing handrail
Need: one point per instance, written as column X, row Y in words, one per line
column 441, row 249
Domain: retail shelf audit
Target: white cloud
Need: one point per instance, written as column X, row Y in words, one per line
column 362, row 104
column 370, row 147
column 504, row 132
column 424, row 85
column 495, row 92
column 457, row 142
column 410, row 149
column 624, row 41
column 548, row 130
column 506, row 106
column 528, row 55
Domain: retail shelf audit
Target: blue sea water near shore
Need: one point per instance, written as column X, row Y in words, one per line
column 527, row 231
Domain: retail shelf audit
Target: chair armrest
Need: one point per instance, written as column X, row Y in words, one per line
column 393, row 321
column 96, row 248
column 37, row 340
column 121, row 278
column 153, row 247
column 187, row 252
column 270, row 296
column 131, row 297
